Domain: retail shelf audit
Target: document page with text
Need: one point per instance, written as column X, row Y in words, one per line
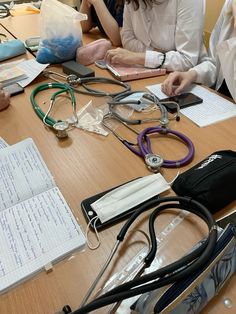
column 37, row 227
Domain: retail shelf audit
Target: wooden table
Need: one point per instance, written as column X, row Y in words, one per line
column 86, row 164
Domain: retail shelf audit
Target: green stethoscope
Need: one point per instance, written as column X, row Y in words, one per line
column 61, row 127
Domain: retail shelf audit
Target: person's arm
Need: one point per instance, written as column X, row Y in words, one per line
column 107, row 21
column 85, row 8
column 226, row 48
column 129, row 40
column 123, row 56
column 188, row 37
column 203, row 73
column 234, row 15
column 4, row 99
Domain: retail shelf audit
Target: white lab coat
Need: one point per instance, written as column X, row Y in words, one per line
column 173, row 26
column 209, row 71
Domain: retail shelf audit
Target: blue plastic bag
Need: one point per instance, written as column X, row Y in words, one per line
column 61, row 32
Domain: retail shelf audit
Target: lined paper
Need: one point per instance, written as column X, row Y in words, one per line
column 23, row 173
column 39, row 227
column 214, row 108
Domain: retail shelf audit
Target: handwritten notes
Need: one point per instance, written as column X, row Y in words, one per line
column 36, row 224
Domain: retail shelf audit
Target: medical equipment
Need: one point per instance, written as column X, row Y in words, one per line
column 61, row 127
column 174, row 272
column 73, row 81
column 146, row 98
column 144, row 150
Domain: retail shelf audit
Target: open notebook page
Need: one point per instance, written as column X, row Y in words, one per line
column 36, row 230
column 35, row 233
column 23, row 173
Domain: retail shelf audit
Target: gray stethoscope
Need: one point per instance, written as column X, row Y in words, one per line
column 145, row 98
column 152, row 161
column 74, row 82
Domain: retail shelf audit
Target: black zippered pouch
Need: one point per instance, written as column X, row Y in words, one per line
column 211, row 182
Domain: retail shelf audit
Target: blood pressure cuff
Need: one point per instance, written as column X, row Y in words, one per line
column 191, row 294
column 211, row 182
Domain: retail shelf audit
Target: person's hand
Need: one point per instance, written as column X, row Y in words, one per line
column 4, row 99
column 123, row 56
column 176, row 82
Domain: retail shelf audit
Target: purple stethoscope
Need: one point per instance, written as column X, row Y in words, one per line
column 143, row 146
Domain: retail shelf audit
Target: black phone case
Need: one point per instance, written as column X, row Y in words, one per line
column 184, row 100
column 72, row 67
column 89, row 213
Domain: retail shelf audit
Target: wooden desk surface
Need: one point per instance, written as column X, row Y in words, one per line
column 86, row 164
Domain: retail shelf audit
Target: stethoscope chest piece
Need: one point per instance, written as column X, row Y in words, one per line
column 153, row 162
column 61, row 128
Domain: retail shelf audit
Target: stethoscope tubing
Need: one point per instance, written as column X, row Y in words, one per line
column 85, row 81
column 168, row 274
column 145, row 146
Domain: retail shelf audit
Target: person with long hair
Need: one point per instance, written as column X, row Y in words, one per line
column 210, row 71
column 161, row 33
column 107, row 15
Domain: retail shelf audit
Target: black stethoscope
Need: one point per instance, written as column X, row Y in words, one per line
column 172, row 273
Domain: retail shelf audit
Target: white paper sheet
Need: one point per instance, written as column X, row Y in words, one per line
column 214, row 108
column 32, row 69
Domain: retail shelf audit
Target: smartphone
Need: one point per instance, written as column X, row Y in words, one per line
column 14, row 89
column 101, row 64
column 184, row 100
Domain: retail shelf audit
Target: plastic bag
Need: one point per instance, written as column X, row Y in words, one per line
column 60, row 33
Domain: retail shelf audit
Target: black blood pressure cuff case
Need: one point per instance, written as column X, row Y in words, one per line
column 211, row 182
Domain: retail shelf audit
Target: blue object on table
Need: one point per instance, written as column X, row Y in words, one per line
column 58, row 50
column 11, row 48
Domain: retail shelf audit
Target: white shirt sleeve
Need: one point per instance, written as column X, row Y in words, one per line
column 227, row 55
column 206, row 73
column 209, row 70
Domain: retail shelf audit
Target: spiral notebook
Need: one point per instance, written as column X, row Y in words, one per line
column 128, row 73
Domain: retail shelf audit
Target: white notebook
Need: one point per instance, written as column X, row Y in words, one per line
column 37, row 226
